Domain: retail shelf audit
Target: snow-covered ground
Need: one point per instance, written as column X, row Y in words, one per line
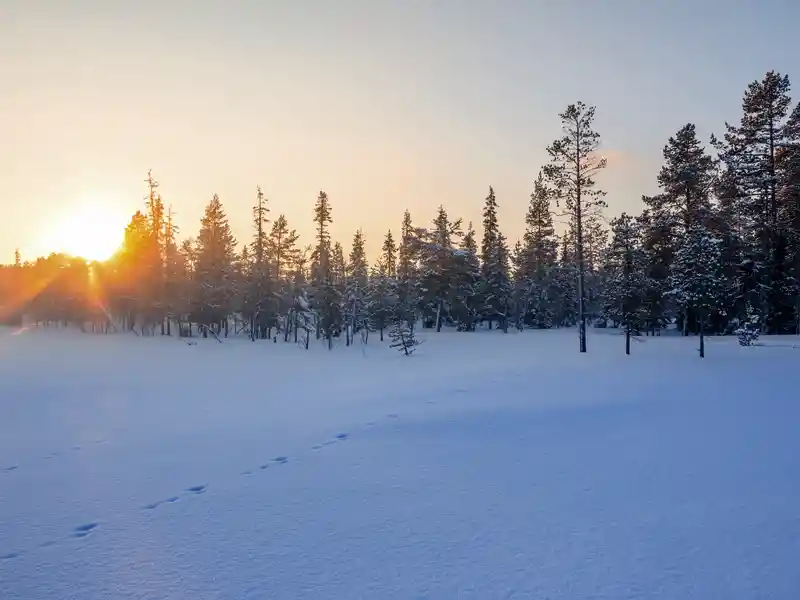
column 485, row 466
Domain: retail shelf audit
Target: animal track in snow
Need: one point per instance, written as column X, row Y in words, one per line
column 11, row 468
column 282, row 460
column 154, row 505
column 9, row 556
column 337, row 438
column 83, row 530
column 197, row 489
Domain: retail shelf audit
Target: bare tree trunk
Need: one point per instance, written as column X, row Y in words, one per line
column 439, row 316
column 627, row 339
column 702, row 340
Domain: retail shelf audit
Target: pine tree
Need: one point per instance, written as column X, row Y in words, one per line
column 260, row 307
column 788, row 164
column 625, row 289
column 659, row 247
column 381, row 300
column 402, row 336
column 407, row 272
column 437, row 280
column 327, row 296
column 496, row 287
column 173, row 273
column 686, row 179
column 282, row 255
column 750, row 150
column 338, row 265
column 214, row 269
column 388, row 261
column 466, row 307
column 697, row 282
column 152, row 259
column 537, row 260
column 573, row 164
column 356, row 288
column 282, row 248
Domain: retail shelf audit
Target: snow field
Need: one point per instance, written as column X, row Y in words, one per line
column 484, row 466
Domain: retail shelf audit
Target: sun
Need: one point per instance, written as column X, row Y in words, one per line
column 91, row 230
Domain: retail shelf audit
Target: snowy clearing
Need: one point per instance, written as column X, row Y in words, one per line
column 484, row 466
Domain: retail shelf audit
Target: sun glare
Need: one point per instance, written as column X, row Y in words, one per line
column 90, row 231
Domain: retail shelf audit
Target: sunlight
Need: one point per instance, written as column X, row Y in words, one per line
column 91, row 230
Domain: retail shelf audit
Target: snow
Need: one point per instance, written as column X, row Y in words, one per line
column 484, row 466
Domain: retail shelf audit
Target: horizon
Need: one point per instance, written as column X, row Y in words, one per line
column 288, row 98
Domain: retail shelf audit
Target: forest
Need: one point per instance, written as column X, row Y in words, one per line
column 715, row 251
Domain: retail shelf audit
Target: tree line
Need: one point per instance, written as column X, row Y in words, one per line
column 718, row 248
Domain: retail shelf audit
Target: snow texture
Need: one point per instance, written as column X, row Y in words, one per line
column 484, row 466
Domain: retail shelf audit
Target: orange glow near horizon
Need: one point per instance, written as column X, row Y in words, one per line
column 90, row 231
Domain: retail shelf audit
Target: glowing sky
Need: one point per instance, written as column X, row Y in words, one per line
column 384, row 105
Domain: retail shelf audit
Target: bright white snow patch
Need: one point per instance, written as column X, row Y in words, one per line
column 484, row 466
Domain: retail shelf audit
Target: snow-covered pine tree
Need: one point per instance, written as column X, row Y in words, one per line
column 750, row 151
column 214, row 270
column 625, row 285
column 174, row 268
column 537, row 260
column 259, row 305
column 465, row 309
column 564, row 296
column 407, row 272
column 382, row 288
column 697, row 282
column 282, row 255
column 327, row 300
column 788, row 167
column 686, row 179
column 355, row 295
column 403, row 338
column 658, row 239
column 151, row 260
column 388, row 260
column 437, row 280
column 573, row 164
column 495, row 277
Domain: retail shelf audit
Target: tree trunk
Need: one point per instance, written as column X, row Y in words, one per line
column 627, row 340
column 702, row 340
column 579, row 252
column 438, row 316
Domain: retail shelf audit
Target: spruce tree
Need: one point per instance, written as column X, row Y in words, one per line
column 259, row 303
column 388, row 260
column 466, row 308
column 403, row 338
column 407, row 272
column 214, row 269
column 173, row 273
column 697, row 282
column 625, row 289
column 152, row 259
column 496, row 282
column 327, row 296
column 573, row 165
column 537, row 260
column 356, row 288
column 437, row 279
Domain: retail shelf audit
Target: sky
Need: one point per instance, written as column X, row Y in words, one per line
column 385, row 105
